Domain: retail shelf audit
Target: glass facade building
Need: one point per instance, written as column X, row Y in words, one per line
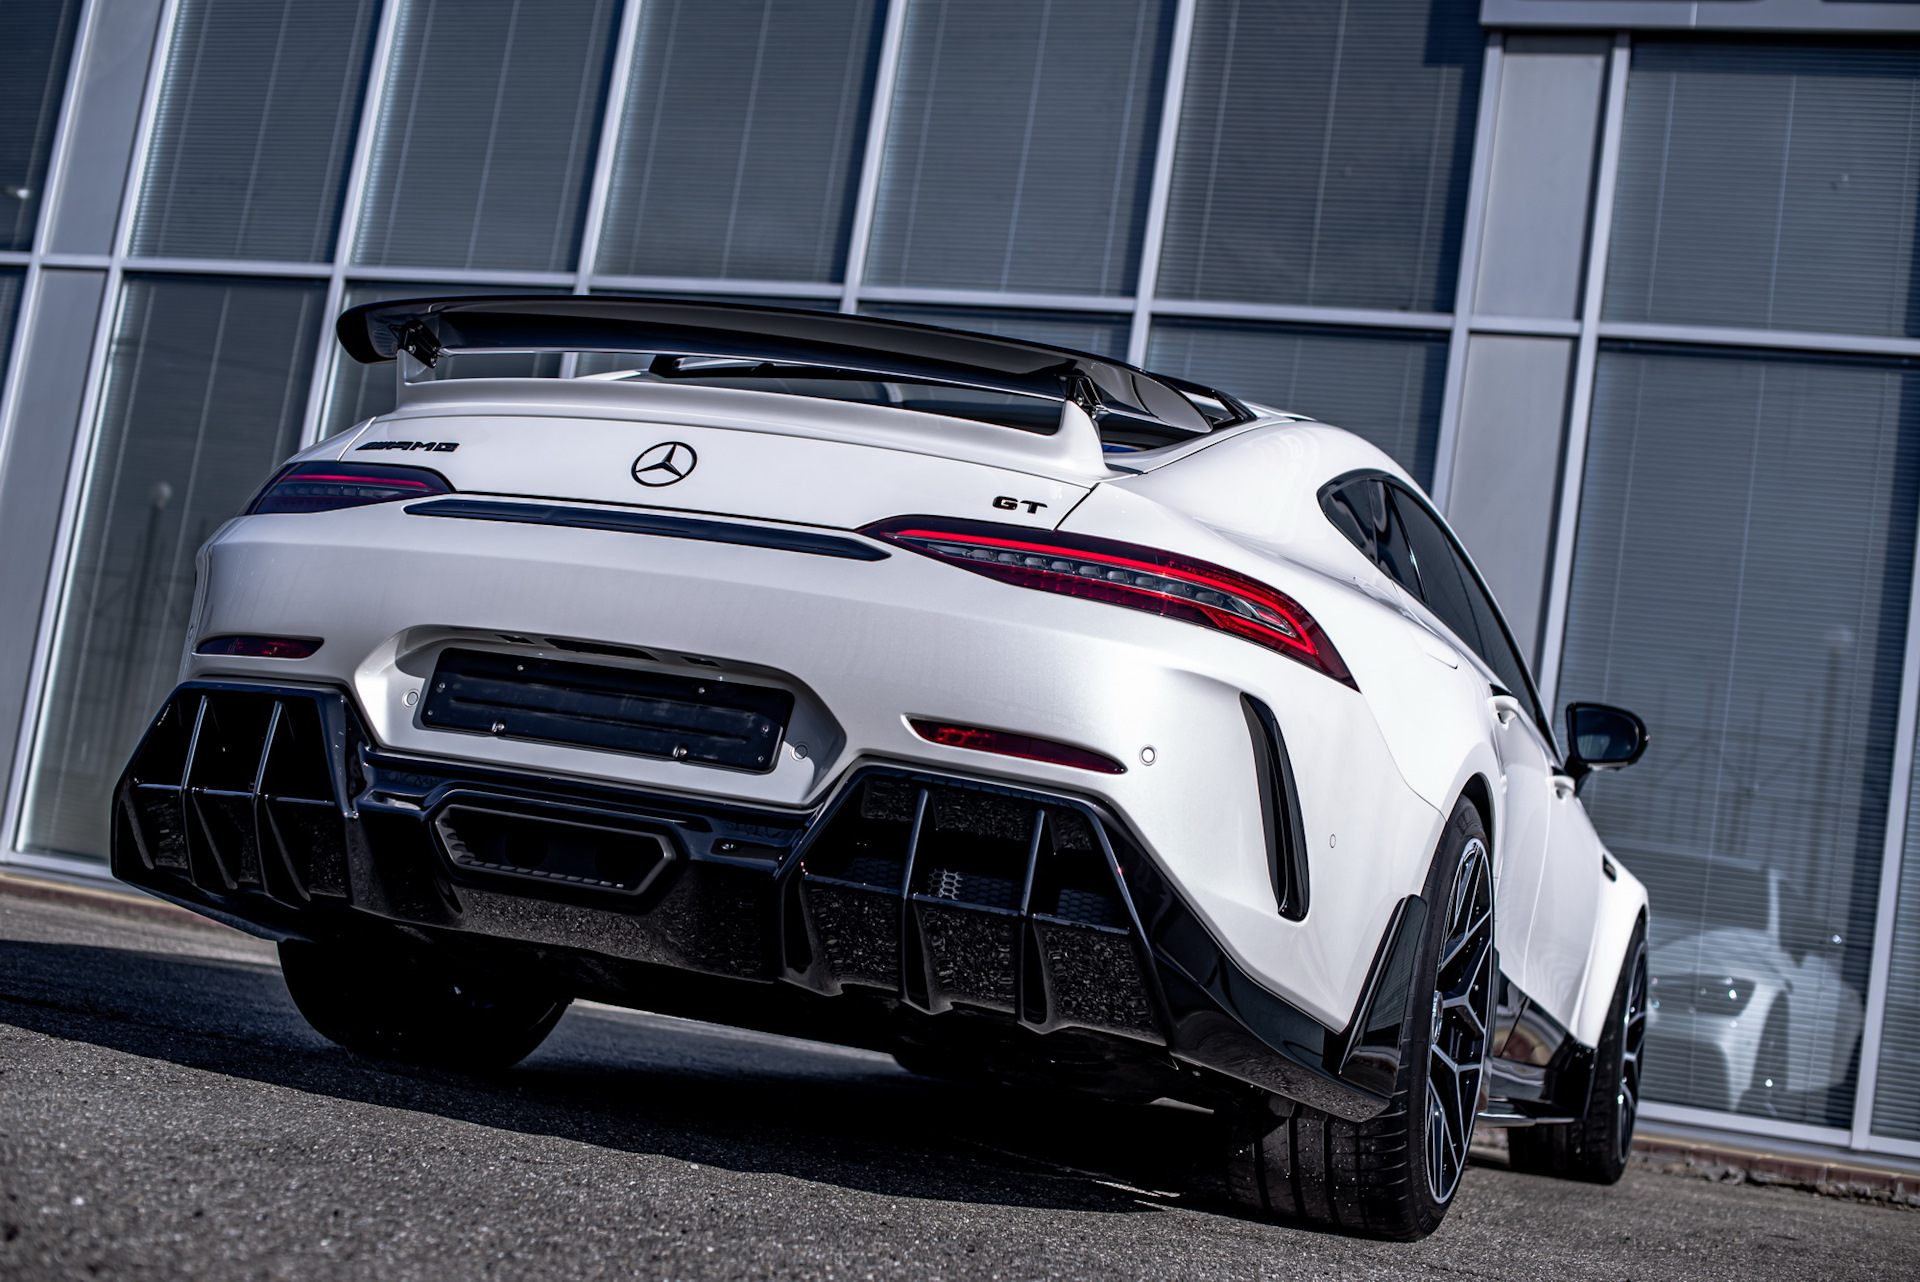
column 1630, row 286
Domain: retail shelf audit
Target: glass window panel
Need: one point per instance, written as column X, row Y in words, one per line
column 1769, row 186
column 1323, row 154
column 1103, row 335
column 10, row 283
column 1019, row 151
column 741, row 138
column 206, row 388
column 36, row 46
column 358, row 392
column 1740, row 580
column 256, row 125
column 1383, row 385
column 487, row 134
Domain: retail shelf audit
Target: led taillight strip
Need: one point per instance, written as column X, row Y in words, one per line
column 1127, row 575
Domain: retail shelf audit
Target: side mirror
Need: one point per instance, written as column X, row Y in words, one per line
column 1602, row 738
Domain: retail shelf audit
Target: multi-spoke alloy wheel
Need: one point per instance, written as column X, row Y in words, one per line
column 1461, row 1009
column 1633, row 1032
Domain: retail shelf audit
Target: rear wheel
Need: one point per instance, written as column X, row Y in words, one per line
column 1594, row 1147
column 391, row 1002
column 1395, row 1175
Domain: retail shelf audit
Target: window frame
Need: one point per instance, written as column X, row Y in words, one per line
column 1531, row 694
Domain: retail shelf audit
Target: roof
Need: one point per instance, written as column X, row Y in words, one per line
column 790, row 338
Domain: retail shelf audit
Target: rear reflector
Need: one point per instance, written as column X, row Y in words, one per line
column 260, row 647
column 323, row 487
column 1125, row 574
column 1015, row 745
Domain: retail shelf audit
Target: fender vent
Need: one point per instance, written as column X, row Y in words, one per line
column 1279, row 810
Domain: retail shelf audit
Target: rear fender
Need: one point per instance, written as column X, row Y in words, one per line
column 1623, row 903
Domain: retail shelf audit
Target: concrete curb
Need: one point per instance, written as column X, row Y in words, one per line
column 1734, row 1164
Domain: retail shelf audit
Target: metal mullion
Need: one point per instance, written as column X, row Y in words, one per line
column 600, row 184
column 1893, row 852
column 1586, row 359
column 463, row 275
column 867, row 195
column 1467, row 284
column 1160, row 194
column 719, row 285
column 372, row 102
column 80, row 461
column 224, row 266
column 599, row 188
column 1303, row 314
column 1104, row 303
column 1774, row 339
column 32, row 258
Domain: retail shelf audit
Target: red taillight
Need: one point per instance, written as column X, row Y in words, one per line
column 260, row 647
column 1124, row 574
column 322, row 487
column 1015, row 745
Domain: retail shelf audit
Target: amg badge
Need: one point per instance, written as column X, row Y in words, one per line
column 439, row 447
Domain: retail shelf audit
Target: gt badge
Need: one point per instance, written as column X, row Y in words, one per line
column 665, row 463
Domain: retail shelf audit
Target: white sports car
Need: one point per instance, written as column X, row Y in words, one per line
column 1026, row 715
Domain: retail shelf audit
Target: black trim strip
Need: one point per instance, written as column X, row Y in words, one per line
column 655, row 523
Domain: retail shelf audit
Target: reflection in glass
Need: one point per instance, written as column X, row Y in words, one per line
column 1764, row 185
column 36, row 45
column 740, row 140
column 1019, row 148
column 1740, row 581
column 206, row 388
column 255, row 125
column 487, row 134
column 1323, row 153
column 1383, row 385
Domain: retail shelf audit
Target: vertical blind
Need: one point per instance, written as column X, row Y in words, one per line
column 487, row 134
column 1768, row 186
column 1019, row 152
column 1081, row 331
column 740, row 139
column 206, row 388
column 1383, row 386
column 36, row 45
column 1740, row 580
column 1323, row 154
column 255, row 127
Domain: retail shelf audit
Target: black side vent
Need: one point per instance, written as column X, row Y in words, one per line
column 1279, row 810
column 703, row 720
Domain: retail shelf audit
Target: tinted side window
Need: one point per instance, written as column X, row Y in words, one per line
column 1454, row 594
column 1360, row 510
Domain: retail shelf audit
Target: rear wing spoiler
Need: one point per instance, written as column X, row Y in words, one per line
column 426, row 329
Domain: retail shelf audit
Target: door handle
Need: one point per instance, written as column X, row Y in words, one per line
column 1564, row 786
column 1505, row 707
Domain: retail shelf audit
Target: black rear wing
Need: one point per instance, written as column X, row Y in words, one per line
column 825, row 342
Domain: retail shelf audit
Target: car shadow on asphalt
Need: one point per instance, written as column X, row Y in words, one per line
column 639, row 1083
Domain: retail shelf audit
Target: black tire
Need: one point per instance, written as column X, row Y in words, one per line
column 392, row 1002
column 1595, row 1146
column 1395, row 1175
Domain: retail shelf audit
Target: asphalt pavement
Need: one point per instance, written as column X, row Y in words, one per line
column 165, row 1112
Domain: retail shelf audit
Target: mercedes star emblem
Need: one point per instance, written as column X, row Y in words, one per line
column 665, row 463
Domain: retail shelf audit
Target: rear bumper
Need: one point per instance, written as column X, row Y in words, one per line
column 907, row 909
